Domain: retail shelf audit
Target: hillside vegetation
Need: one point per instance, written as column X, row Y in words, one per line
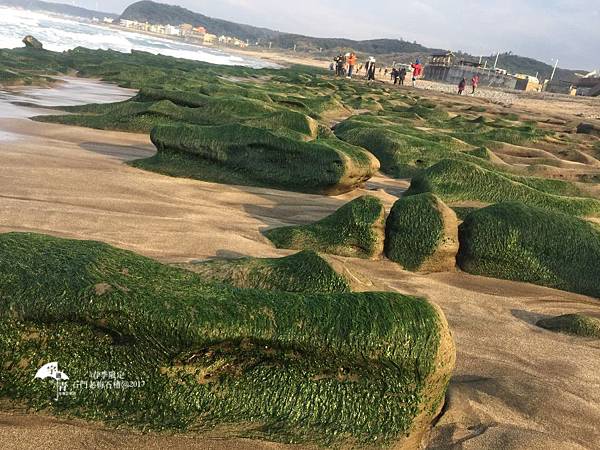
column 389, row 49
column 153, row 12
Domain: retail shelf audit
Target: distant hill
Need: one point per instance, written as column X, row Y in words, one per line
column 386, row 49
column 57, row 8
column 174, row 15
column 529, row 66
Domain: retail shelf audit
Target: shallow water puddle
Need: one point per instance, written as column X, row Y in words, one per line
column 25, row 102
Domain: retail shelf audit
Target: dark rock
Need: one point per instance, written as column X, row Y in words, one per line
column 31, row 42
column 588, row 128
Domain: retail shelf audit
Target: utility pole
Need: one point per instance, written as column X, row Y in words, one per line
column 294, row 47
column 554, row 70
column 496, row 62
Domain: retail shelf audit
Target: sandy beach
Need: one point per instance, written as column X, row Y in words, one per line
column 515, row 386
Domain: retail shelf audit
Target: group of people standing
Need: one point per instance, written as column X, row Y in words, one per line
column 399, row 76
column 463, row 84
column 345, row 66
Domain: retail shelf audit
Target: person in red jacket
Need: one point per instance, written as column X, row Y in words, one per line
column 474, row 83
column 417, row 71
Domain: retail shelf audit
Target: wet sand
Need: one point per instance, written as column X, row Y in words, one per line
column 515, row 386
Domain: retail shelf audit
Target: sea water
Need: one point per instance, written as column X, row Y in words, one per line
column 61, row 33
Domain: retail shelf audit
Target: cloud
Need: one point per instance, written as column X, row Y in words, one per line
column 542, row 29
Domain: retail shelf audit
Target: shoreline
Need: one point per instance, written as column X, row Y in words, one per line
column 276, row 56
column 507, row 387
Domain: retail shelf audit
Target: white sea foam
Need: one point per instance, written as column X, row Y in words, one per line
column 60, row 34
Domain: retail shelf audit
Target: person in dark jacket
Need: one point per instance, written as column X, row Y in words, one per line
column 461, row 86
column 371, row 71
column 402, row 76
column 395, row 74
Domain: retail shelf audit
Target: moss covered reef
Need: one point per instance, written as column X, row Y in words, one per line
column 331, row 368
column 513, row 241
column 153, row 107
column 405, row 132
column 305, row 271
column 575, row 324
column 459, row 181
column 262, row 158
column 410, row 139
column 356, row 229
column 421, row 234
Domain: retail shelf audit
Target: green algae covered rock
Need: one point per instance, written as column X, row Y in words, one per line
column 575, row 324
column 459, row 181
column 513, row 241
column 256, row 156
column 305, row 271
column 422, row 234
column 329, row 369
column 356, row 229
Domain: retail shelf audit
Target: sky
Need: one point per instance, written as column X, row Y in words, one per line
column 543, row 29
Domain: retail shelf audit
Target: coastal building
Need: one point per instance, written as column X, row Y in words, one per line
column 445, row 68
column 527, row 83
column 210, row 39
column 185, row 29
column 158, row 29
column 127, row 23
column 587, row 86
column 445, row 59
column 172, row 31
column 108, row 20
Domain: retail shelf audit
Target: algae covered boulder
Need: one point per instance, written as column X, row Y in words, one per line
column 305, row 271
column 255, row 156
column 513, row 241
column 356, row 229
column 458, row 181
column 575, row 324
column 328, row 369
column 421, row 234
column 588, row 128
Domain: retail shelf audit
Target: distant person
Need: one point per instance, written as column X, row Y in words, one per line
column 462, row 85
column 371, row 70
column 385, row 72
column 395, row 75
column 417, row 69
column 474, row 83
column 331, row 67
column 402, row 76
column 339, row 64
column 351, row 64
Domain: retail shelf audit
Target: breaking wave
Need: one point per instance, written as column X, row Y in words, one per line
column 60, row 34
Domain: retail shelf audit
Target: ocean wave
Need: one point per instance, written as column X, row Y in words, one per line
column 60, row 34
